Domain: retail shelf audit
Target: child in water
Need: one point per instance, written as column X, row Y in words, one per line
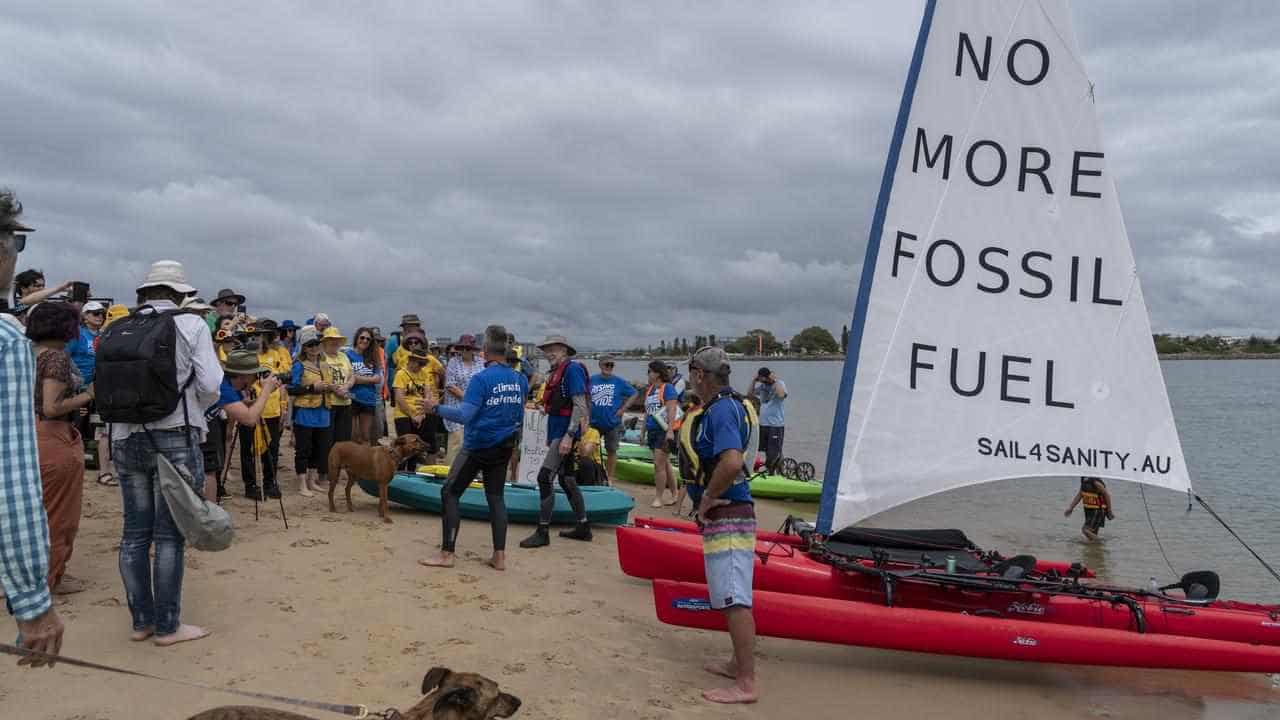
column 1097, row 506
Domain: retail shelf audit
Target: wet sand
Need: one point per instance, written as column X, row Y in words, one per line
column 337, row 609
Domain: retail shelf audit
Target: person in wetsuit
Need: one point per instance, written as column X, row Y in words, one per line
column 1097, row 506
column 566, row 398
column 491, row 413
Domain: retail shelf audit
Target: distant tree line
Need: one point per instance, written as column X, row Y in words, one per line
column 813, row 340
column 1215, row 345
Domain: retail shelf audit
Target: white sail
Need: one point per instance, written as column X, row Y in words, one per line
column 998, row 245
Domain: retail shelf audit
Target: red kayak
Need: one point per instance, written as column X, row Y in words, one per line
column 801, row 617
column 658, row 554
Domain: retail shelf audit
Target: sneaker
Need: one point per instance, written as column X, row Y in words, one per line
column 539, row 538
column 273, row 492
column 250, row 492
column 580, row 532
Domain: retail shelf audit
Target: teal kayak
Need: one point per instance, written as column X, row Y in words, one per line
column 605, row 506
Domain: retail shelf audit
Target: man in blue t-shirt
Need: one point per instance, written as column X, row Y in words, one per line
column 239, row 373
column 491, row 413
column 727, row 516
column 609, row 394
column 566, row 400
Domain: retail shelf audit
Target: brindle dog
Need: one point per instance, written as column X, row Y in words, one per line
column 448, row 696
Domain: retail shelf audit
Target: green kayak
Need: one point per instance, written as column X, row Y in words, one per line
column 605, row 506
column 782, row 488
column 637, row 471
column 632, row 451
column 776, row 487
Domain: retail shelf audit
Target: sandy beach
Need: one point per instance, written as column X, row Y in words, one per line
column 337, row 609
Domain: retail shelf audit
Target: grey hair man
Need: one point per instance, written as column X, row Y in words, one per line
column 726, row 513
column 24, row 529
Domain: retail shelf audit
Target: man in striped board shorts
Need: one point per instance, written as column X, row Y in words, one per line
column 727, row 515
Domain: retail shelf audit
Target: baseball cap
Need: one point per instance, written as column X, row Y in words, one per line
column 711, row 359
column 93, row 306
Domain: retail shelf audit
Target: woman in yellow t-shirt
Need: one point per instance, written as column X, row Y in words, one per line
column 414, row 383
column 343, row 376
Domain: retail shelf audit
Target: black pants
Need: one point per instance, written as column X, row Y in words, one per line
column 771, row 446
column 406, row 426
column 340, row 421
column 492, row 463
column 270, row 460
column 435, row 434
column 311, row 447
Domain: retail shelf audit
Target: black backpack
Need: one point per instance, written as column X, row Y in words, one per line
column 136, row 375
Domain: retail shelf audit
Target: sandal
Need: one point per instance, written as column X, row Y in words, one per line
column 108, row 480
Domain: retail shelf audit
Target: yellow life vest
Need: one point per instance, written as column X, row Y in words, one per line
column 312, row 374
column 686, row 438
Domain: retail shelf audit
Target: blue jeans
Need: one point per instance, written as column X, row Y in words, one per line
column 154, row 592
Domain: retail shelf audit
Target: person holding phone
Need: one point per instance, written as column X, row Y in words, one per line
column 771, row 392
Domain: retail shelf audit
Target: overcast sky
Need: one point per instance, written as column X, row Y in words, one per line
column 620, row 172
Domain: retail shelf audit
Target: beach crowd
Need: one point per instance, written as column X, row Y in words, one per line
column 178, row 380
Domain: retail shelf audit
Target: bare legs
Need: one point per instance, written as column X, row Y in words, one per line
column 742, row 667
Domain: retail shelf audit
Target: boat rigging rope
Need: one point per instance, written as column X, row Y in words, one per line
column 1215, row 515
column 1155, row 534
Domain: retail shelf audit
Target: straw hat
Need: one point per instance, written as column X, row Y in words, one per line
column 331, row 333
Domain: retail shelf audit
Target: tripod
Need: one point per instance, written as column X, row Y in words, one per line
column 266, row 462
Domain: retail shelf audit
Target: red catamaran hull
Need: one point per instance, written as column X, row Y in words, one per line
column 657, row 554
column 801, row 617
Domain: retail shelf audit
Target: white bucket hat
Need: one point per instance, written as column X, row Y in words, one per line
column 167, row 273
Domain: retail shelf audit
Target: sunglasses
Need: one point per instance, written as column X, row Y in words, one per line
column 230, row 303
column 608, row 365
column 408, row 343
column 97, row 312
column 363, row 338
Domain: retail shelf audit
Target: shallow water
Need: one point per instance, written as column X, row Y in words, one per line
column 1228, row 416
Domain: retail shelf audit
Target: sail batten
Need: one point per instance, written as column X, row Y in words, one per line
column 1000, row 329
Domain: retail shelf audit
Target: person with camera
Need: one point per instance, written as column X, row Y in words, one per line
column 771, row 392
column 247, row 390
column 82, row 350
column 24, row 534
column 29, row 290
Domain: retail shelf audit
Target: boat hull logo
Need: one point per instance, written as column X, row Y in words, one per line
column 695, row 604
column 1027, row 609
column 1026, row 641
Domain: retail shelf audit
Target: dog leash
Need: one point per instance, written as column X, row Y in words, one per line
column 356, row 711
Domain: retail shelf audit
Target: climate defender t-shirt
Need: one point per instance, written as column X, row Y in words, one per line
column 498, row 392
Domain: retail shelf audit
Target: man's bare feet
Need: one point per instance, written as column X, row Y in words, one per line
column 498, row 561
column 723, row 669
column 730, row 695
column 657, row 503
column 184, row 633
column 143, row 634
column 444, row 560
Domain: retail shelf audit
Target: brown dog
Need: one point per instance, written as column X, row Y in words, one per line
column 449, row 696
column 375, row 464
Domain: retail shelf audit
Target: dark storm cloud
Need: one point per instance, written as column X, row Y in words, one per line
column 620, row 172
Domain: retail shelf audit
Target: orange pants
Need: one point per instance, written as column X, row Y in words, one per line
column 62, row 474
